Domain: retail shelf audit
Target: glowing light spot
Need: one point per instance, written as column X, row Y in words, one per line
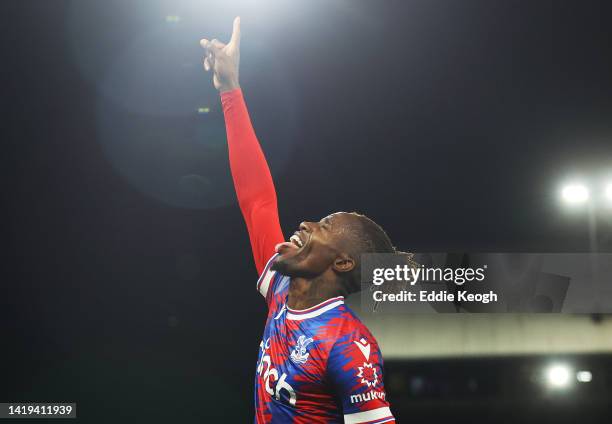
column 575, row 193
column 584, row 376
column 558, row 376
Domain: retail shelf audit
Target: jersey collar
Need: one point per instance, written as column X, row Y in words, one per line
column 314, row 311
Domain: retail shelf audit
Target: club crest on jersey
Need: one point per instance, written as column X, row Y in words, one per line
column 368, row 375
column 300, row 354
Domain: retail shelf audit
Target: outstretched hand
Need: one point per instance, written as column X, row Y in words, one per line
column 223, row 59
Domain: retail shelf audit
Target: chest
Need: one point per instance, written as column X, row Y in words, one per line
column 292, row 359
column 294, row 346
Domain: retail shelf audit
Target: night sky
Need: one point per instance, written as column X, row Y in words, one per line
column 127, row 269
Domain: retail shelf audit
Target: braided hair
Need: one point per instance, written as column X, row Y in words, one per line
column 369, row 237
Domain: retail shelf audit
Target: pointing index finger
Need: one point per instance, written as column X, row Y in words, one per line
column 235, row 40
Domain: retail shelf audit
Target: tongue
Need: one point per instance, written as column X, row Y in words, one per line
column 283, row 245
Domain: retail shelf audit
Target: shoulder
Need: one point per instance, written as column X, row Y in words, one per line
column 353, row 339
column 352, row 326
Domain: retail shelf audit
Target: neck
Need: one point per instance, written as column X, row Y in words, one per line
column 305, row 293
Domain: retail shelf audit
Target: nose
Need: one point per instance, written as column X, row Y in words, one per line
column 306, row 226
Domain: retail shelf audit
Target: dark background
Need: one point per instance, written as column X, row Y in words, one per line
column 449, row 123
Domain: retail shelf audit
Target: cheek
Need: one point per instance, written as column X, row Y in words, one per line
column 319, row 256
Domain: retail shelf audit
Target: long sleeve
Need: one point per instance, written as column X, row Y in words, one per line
column 252, row 179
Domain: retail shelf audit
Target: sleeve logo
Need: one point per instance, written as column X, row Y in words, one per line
column 368, row 375
column 364, row 347
column 299, row 355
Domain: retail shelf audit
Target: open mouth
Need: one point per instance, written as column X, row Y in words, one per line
column 296, row 242
column 296, row 239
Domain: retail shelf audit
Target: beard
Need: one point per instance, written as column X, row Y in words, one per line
column 285, row 266
column 279, row 266
column 294, row 267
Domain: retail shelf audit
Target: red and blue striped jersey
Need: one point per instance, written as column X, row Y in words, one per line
column 318, row 365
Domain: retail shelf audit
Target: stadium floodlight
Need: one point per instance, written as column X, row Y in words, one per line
column 584, row 376
column 575, row 193
column 558, row 376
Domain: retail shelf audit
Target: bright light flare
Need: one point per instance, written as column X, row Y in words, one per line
column 584, row 376
column 575, row 193
column 558, row 376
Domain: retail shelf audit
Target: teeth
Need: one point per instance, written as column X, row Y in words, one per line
column 296, row 240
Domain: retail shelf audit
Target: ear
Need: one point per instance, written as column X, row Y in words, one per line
column 344, row 263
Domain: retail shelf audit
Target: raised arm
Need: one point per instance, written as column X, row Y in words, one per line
column 250, row 172
column 252, row 179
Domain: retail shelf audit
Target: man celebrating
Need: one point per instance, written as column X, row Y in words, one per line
column 317, row 362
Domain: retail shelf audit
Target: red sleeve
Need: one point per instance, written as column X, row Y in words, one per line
column 252, row 179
